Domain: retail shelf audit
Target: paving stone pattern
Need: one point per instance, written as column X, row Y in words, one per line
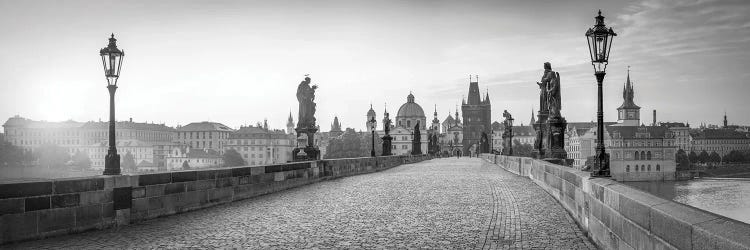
column 451, row 203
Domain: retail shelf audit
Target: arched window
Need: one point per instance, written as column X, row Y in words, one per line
column 643, row 168
column 408, row 123
column 648, row 155
column 649, row 167
column 643, row 155
column 658, row 168
column 637, row 157
column 636, row 168
column 627, row 168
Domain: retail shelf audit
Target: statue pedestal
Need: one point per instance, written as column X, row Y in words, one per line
column 556, row 127
column 541, row 143
column 387, row 145
column 507, row 144
column 309, row 152
column 306, row 154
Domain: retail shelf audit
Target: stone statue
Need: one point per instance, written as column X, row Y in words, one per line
column 550, row 91
column 553, row 95
column 387, row 124
column 543, row 89
column 306, row 96
column 416, row 147
column 507, row 117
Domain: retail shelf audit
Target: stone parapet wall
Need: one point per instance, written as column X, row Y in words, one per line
column 616, row 216
column 40, row 209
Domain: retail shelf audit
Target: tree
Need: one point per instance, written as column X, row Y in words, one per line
column 703, row 157
column 52, row 156
column 185, row 165
column 714, row 157
column 683, row 163
column 81, row 159
column 522, row 149
column 349, row 145
column 232, row 159
column 366, row 145
column 12, row 156
column 734, row 156
column 693, row 157
column 128, row 162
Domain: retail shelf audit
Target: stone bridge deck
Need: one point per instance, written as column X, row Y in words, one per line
column 442, row 203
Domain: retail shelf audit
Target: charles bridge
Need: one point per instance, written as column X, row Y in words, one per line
column 376, row 202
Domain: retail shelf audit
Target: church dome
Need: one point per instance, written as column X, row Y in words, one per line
column 410, row 108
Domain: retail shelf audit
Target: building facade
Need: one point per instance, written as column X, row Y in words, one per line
column 185, row 157
column 719, row 140
column 261, row 146
column 209, row 135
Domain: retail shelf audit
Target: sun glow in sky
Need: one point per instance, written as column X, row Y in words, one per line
column 239, row 62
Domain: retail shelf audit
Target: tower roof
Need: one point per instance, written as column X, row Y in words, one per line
column 627, row 95
column 371, row 112
column 336, row 126
column 290, row 121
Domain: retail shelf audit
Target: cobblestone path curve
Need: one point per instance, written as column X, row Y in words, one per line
column 451, row 203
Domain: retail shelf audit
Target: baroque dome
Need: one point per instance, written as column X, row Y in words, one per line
column 410, row 108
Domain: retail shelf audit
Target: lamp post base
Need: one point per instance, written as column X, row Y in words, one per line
column 112, row 164
column 601, row 165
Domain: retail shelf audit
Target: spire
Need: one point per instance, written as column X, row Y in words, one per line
column 532, row 122
column 725, row 119
column 628, row 93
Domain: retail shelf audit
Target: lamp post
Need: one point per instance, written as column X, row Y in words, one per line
column 600, row 43
column 112, row 62
column 372, row 128
column 510, row 134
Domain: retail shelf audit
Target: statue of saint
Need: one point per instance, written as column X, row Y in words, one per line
column 306, row 96
column 543, row 88
column 507, row 117
column 387, row 124
column 553, row 94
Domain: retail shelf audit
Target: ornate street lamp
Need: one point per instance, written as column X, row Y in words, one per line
column 600, row 43
column 510, row 134
column 372, row 128
column 112, row 62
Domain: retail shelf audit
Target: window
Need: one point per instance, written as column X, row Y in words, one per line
column 643, row 168
column 636, row 158
column 636, row 168
column 408, row 123
column 648, row 155
column 658, row 168
column 627, row 168
column 649, row 167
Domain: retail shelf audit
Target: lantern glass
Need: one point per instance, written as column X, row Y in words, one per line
column 600, row 43
column 112, row 61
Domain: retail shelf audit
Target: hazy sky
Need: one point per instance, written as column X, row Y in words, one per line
column 238, row 62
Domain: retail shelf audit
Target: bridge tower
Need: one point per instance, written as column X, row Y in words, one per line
column 477, row 118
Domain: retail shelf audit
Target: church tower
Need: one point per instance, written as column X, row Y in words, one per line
column 371, row 121
column 336, row 127
column 628, row 114
column 477, row 119
column 435, row 122
column 290, row 124
column 726, row 123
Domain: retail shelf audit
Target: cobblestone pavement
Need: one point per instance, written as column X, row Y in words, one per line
column 444, row 203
